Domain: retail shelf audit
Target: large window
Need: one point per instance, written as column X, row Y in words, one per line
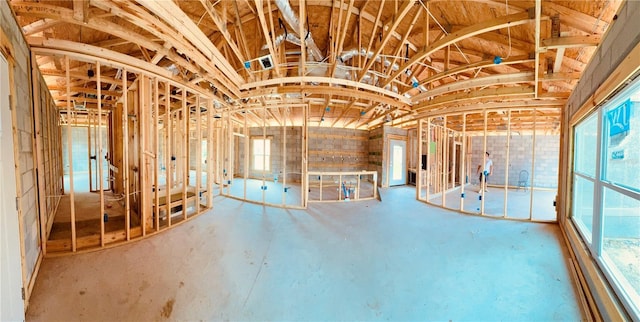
column 606, row 191
column 261, row 154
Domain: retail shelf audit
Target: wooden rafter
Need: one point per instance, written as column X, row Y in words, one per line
column 484, row 93
column 144, row 19
column 326, row 80
column 404, row 39
column 499, row 79
column 372, row 35
column 474, row 66
column 170, row 12
column 266, row 31
column 303, row 44
column 403, row 11
column 342, row 35
column 498, row 23
column 222, row 27
column 39, row 25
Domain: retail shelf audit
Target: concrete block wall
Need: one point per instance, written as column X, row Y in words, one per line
column 49, row 143
column 332, row 149
column 619, row 40
column 521, row 157
column 24, row 132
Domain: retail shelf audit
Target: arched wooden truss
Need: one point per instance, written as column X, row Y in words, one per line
column 360, row 63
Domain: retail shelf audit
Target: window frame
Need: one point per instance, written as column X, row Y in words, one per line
column 267, row 161
column 594, row 242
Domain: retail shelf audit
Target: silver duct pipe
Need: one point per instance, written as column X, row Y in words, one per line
column 348, row 54
column 291, row 18
column 292, row 38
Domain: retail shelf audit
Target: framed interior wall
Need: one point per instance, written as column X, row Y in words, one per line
column 138, row 154
column 522, row 164
column 266, row 154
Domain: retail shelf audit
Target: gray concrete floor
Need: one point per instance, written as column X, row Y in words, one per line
column 398, row 259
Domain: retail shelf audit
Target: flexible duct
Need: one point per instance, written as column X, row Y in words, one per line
column 348, row 54
column 292, row 38
column 291, row 18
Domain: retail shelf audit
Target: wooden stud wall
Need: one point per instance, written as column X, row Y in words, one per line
column 438, row 180
column 147, row 127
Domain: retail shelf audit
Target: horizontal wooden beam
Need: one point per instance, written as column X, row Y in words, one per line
column 477, row 65
column 500, row 93
column 399, row 99
column 39, row 25
column 571, row 42
column 84, row 90
column 499, row 79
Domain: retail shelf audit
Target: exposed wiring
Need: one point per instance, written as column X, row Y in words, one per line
column 508, row 29
column 444, row 31
column 595, row 26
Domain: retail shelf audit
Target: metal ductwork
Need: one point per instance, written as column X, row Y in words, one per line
column 348, row 54
column 292, row 38
column 291, row 18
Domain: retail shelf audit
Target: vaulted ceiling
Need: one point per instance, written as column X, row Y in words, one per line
column 355, row 63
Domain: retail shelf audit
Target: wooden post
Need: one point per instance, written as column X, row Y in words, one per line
column 419, row 160
column 142, row 97
column 484, row 161
column 125, row 158
column 305, row 155
column 463, row 156
column 230, row 155
column 247, row 155
column 198, row 152
column 185, row 152
column 156, row 153
column 445, row 161
column 428, row 175
column 90, row 147
column 99, row 153
column 70, row 156
column 168, row 126
column 284, row 157
column 264, row 148
column 210, row 153
column 533, row 164
column 506, row 175
column 145, row 157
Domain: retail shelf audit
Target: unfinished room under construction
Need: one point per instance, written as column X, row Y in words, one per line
column 320, row 160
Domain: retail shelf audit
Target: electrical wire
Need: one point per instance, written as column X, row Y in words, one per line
column 508, row 29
